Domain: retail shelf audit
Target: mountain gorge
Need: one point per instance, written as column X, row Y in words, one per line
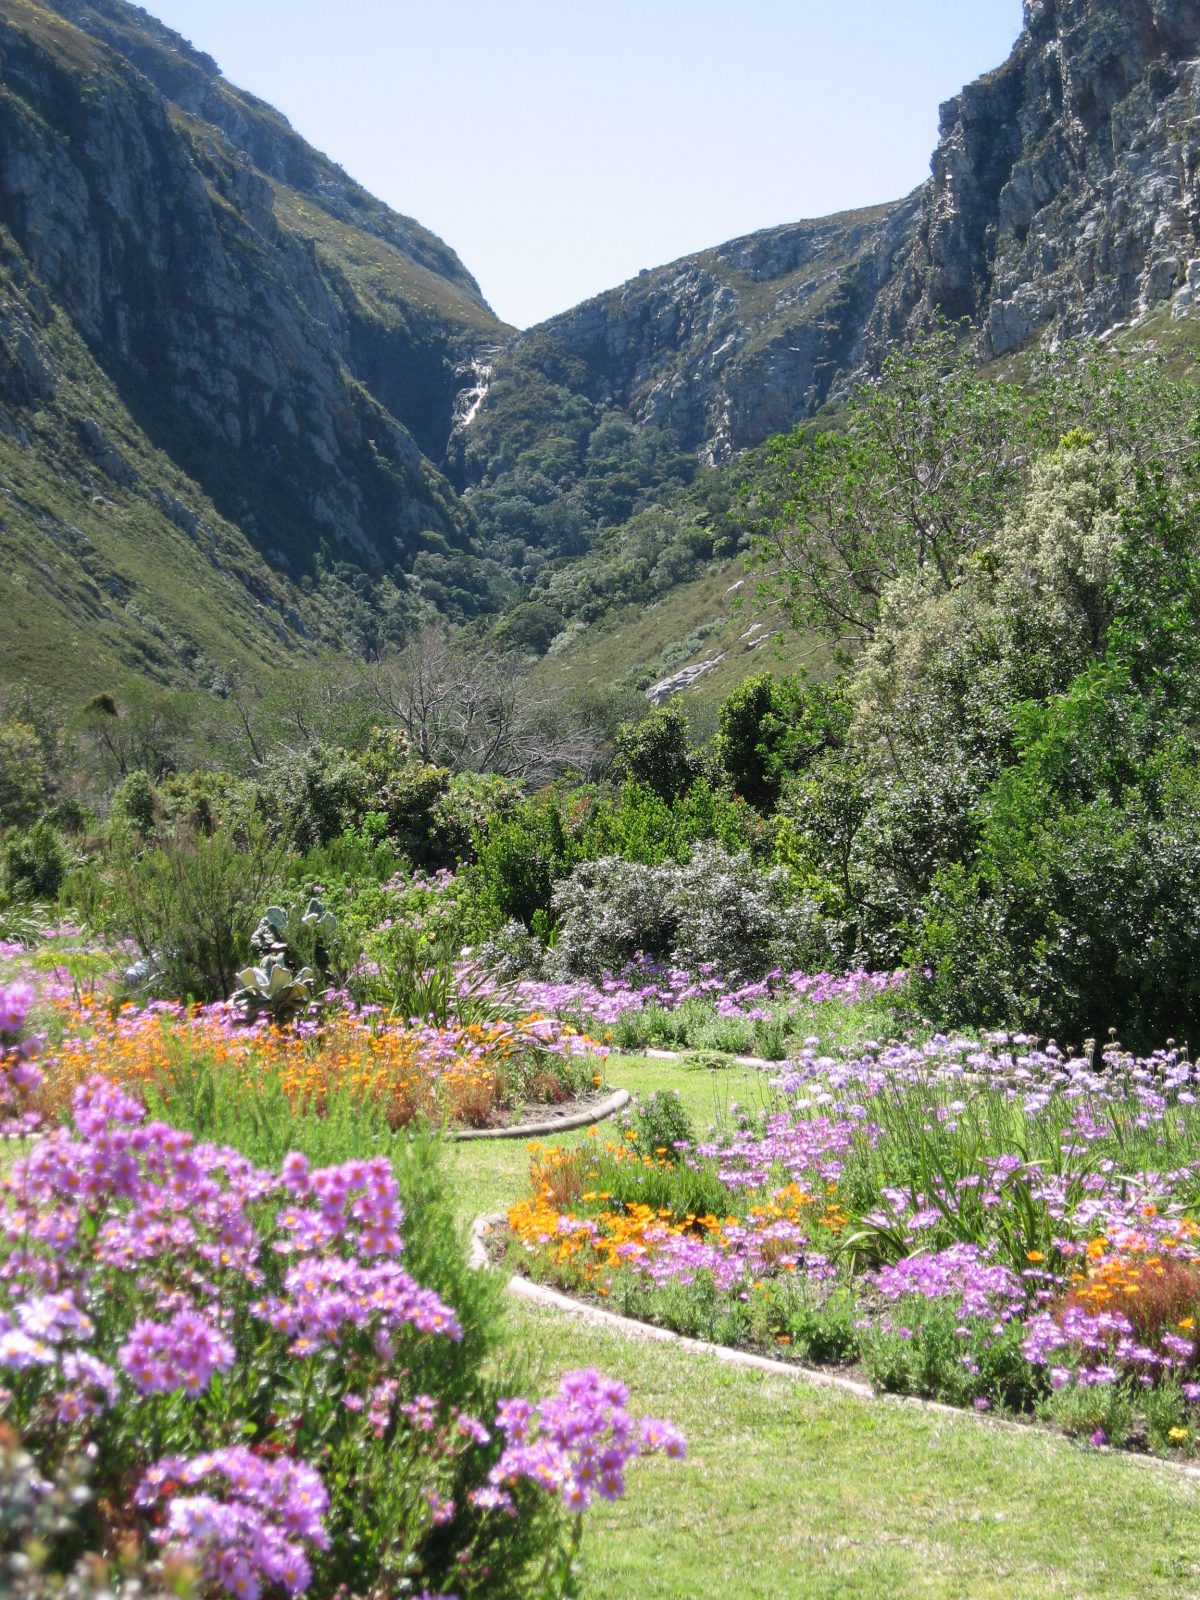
column 1062, row 201
column 247, row 411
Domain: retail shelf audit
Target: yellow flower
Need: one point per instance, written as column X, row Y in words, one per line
column 1034, row 1255
column 1178, row 1434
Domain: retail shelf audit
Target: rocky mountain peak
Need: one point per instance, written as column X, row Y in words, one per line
column 1063, row 195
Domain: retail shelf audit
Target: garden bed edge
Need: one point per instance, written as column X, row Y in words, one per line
column 634, row 1328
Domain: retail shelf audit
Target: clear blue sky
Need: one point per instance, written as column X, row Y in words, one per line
column 562, row 145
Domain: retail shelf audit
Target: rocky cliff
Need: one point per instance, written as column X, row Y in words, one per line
column 1062, row 200
column 290, row 346
column 731, row 345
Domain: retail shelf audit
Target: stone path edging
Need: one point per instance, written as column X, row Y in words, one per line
column 607, row 1107
column 758, row 1063
column 632, row 1328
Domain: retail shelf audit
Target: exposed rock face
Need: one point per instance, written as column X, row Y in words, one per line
column 667, row 688
column 1064, row 192
column 1063, row 200
column 285, row 338
column 734, row 344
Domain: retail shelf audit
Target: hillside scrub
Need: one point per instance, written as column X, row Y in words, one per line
column 998, row 791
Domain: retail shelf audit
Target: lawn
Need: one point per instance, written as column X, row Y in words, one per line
column 795, row 1491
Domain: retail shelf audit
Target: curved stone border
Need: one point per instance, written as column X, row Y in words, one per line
column 607, row 1107
column 757, row 1063
column 632, row 1328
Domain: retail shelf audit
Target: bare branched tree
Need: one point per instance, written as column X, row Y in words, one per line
column 476, row 710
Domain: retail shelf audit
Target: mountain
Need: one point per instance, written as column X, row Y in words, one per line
column 1063, row 199
column 226, row 371
column 248, row 412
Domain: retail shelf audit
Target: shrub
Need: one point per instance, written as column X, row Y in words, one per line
column 317, row 795
column 35, row 863
column 136, row 801
column 736, row 917
column 43, row 1545
column 519, row 863
column 1076, row 916
column 190, row 902
column 512, row 952
column 661, row 1123
column 772, row 726
column 718, row 910
column 611, row 911
column 657, row 751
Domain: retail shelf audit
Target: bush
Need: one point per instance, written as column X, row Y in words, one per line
column 1076, row 918
column 43, row 1543
column 770, row 727
column 136, row 802
column 23, row 776
column 190, row 902
column 317, row 795
column 511, row 953
column 736, row 917
column 661, row 1123
column 657, row 752
column 518, row 864
column 35, row 863
column 717, row 910
column 610, row 912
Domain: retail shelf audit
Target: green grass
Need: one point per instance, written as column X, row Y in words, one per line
column 794, row 1491
column 797, row 1493
column 633, row 639
column 488, row 1175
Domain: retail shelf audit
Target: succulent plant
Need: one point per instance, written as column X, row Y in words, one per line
column 317, row 917
column 275, row 988
column 270, row 937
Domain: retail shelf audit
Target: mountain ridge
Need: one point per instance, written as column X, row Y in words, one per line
column 205, row 323
column 1064, row 199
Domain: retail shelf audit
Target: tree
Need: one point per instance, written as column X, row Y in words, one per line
column 922, row 473
column 770, row 727
column 477, row 711
column 657, row 751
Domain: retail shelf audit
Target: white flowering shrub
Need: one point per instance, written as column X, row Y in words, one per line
column 610, row 912
column 719, row 910
column 733, row 915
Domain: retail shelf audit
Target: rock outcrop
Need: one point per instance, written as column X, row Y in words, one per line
column 1063, row 200
column 1064, row 196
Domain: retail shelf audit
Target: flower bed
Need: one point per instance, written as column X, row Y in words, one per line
column 989, row 1224
column 263, row 1396
column 663, row 1006
column 474, row 1074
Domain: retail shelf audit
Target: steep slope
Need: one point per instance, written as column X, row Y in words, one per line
column 112, row 561
column 1063, row 199
column 290, row 346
